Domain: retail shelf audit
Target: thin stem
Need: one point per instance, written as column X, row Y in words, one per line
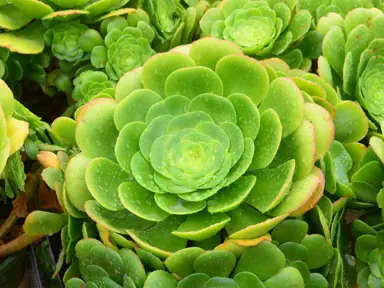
column 17, row 244
column 8, row 224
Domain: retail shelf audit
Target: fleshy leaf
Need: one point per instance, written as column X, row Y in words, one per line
column 271, row 260
column 181, row 262
column 247, row 222
column 286, row 99
column 232, row 196
column 206, row 51
column 299, row 194
column 267, row 143
column 237, row 74
column 140, row 202
column 215, row 263
column 95, row 116
column 159, row 239
column 28, row 40
column 44, row 223
column 272, row 186
column 76, row 188
column 301, row 146
column 193, row 81
column 351, row 123
column 202, row 226
column 103, row 178
column 117, row 221
column 157, row 69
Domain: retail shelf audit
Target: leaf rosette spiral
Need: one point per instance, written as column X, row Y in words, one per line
column 91, row 84
column 65, row 41
column 356, row 65
column 260, row 28
column 127, row 45
column 191, row 144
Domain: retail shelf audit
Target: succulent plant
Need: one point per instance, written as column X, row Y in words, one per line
column 91, row 84
column 177, row 165
column 64, row 40
column 168, row 19
column 321, row 8
column 369, row 252
column 289, row 262
column 261, row 28
column 127, row 44
column 187, row 104
column 355, row 65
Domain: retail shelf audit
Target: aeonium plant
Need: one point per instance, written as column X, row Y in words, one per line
column 262, row 29
column 198, row 143
column 287, row 259
column 356, row 66
column 322, row 8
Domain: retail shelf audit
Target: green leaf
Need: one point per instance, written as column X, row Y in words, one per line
column 285, row 98
column 157, row 69
column 51, row 176
column 41, row 223
column 287, row 277
column 215, row 263
column 272, row 186
column 116, row 221
column 238, row 72
column 320, row 252
column 291, row 230
column 365, row 244
column 201, row 226
column 97, row 115
column 159, row 239
column 140, row 202
column 75, row 186
column 133, row 267
column 103, row 178
column 270, row 260
column 160, row 278
column 14, row 172
column 193, row 81
column 12, row 18
column 182, row 262
column 351, row 123
column 28, row 40
column 247, row 223
column 232, row 196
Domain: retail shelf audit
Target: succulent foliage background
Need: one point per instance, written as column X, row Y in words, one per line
column 195, row 143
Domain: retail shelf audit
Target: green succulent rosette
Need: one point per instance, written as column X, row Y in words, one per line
column 126, row 45
column 170, row 20
column 369, row 249
column 321, row 8
column 91, row 84
column 355, row 65
column 186, row 148
column 261, row 28
column 290, row 260
column 64, row 40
